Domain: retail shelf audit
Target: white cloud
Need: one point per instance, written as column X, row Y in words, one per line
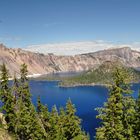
column 74, row 48
column 136, row 46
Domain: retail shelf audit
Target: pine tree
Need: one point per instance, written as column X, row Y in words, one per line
column 24, row 73
column 39, row 105
column 112, row 115
column 43, row 114
column 137, row 118
column 15, row 90
column 72, row 124
column 28, row 125
column 54, row 117
column 7, row 99
column 128, row 117
column 62, row 120
column 25, row 92
column 60, row 135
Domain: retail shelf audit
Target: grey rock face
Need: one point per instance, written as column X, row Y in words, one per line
column 43, row 64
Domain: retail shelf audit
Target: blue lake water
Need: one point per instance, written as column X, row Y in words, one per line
column 85, row 98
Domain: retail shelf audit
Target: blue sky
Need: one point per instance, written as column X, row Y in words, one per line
column 28, row 22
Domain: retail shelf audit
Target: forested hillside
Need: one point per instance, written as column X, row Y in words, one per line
column 101, row 75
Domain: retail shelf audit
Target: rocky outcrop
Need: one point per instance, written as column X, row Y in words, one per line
column 4, row 135
column 2, row 121
column 125, row 55
column 43, row 64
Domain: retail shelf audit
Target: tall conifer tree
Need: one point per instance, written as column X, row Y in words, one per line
column 72, row 123
column 128, row 117
column 44, row 115
column 137, row 118
column 114, row 121
column 54, row 117
column 25, row 93
column 7, row 98
column 28, row 125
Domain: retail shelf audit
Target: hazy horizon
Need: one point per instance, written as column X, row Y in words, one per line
column 81, row 47
column 75, row 48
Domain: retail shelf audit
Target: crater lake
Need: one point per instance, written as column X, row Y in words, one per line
column 85, row 98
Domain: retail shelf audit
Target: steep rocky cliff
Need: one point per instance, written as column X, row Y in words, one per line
column 43, row 64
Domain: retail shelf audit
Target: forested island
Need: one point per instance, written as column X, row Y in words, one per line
column 103, row 75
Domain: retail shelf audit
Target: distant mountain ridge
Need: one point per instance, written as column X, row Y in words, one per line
column 103, row 75
column 44, row 64
column 78, row 47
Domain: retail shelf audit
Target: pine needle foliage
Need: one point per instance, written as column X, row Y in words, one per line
column 26, row 122
column 7, row 98
column 117, row 115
